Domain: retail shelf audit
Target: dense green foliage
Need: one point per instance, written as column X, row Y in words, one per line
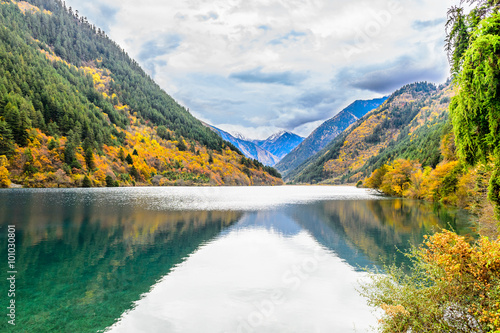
column 475, row 110
column 33, row 93
column 461, row 26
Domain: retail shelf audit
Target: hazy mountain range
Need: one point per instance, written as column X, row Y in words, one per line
column 280, row 144
column 269, row 151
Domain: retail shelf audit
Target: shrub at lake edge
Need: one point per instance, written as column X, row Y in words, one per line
column 453, row 286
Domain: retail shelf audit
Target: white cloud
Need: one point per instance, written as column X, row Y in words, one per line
column 277, row 63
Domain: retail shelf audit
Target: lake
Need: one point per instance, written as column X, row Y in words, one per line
column 204, row 259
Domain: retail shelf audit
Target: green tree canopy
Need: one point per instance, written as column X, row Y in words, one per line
column 475, row 110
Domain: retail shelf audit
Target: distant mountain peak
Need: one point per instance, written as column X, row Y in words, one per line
column 240, row 136
column 281, row 133
column 276, row 135
column 280, row 143
column 247, row 147
column 269, row 151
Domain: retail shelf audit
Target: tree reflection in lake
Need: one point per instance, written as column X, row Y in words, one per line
column 86, row 258
column 367, row 232
column 81, row 262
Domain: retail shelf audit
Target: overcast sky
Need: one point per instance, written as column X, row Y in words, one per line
column 256, row 67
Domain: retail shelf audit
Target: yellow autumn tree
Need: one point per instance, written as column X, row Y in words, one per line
column 441, row 182
column 398, row 177
column 376, row 178
column 4, row 173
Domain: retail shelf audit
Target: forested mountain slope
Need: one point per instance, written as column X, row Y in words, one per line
column 409, row 125
column 326, row 132
column 76, row 110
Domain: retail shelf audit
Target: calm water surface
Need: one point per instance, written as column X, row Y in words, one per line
column 258, row 259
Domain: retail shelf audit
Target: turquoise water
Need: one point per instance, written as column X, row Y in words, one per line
column 264, row 259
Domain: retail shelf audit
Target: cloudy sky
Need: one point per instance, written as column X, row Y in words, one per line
column 256, row 67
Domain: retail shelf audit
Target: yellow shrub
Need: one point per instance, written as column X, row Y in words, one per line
column 4, row 177
column 452, row 285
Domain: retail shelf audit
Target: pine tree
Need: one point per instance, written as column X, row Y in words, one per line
column 129, row 159
column 109, row 181
column 86, row 182
column 89, row 159
column 134, row 173
column 6, row 139
column 121, row 154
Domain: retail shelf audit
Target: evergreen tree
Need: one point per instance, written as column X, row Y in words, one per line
column 52, row 144
column 109, row 181
column 86, row 182
column 129, row 159
column 181, row 145
column 134, row 173
column 6, row 139
column 163, row 133
column 89, row 159
column 121, row 154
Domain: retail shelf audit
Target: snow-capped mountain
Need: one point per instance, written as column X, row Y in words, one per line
column 239, row 136
column 247, row 147
column 268, row 151
column 280, row 143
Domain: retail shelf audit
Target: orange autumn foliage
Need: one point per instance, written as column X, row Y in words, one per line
column 453, row 286
column 449, row 182
column 155, row 161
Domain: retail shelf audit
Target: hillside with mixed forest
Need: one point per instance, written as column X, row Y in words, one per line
column 326, row 132
column 407, row 148
column 76, row 110
column 408, row 123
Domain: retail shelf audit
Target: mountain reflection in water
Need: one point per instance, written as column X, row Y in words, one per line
column 204, row 259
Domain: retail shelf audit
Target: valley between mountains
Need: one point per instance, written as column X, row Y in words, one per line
column 419, row 167
column 77, row 111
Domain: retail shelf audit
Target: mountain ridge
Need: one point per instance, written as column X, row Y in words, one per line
column 404, row 125
column 268, row 151
column 281, row 143
column 326, row 132
column 76, row 110
column 248, row 148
